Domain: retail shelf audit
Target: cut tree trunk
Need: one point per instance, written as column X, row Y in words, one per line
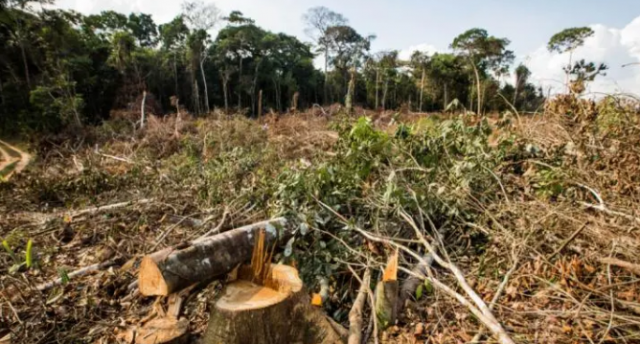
column 387, row 294
column 173, row 269
column 280, row 312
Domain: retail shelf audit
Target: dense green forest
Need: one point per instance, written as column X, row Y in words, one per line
column 60, row 68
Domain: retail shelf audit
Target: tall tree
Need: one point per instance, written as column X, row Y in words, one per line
column 483, row 51
column 318, row 21
column 568, row 40
column 172, row 38
column 201, row 17
column 143, row 28
column 522, row 74
column 419, row 62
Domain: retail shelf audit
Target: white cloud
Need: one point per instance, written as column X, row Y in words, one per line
column 405, row 54
column 612, row 46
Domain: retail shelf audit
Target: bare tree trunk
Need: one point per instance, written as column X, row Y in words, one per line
column 515, row 95
column 225, row 90
column 446, row 96
column 26, row 64
column 196, row 95
column 350, row 90
column 475, row 70
column 422, row 88
column 175, row 73
column 277, row 94
column 326, row 68
column 294, row 102
column 254, row 85
column 204, row 82
column 4, row 102
column 142, row 114
column 260, row 103
column 240, row 86
column 568, row 72
column 377, row 87
column 384, row 93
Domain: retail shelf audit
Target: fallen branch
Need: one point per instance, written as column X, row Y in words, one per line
column 355, row 314
column 44, row 218
column 78, row 273
column 635, row 268
column 496, row 297
column 602, row 207
column 171, row 270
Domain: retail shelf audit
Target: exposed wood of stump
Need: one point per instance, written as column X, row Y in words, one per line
column 280, row 312
column 170, row 270
column 387, row 294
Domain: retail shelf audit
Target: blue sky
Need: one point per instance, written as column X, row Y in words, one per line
column 431, row 25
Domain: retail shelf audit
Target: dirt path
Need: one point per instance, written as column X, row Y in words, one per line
column 12, row 163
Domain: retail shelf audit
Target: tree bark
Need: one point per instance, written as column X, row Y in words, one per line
column 248, row 313
column 171, row 269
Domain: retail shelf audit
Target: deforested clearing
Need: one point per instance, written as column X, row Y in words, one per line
column 206, row 191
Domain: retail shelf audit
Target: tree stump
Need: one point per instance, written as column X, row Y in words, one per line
column 278, row 312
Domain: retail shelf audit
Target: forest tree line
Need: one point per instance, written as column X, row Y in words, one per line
column 61, row 68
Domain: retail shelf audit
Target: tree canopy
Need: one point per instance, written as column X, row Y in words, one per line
column 61, row 67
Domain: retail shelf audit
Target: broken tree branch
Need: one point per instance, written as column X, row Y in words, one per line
column 635, row 268
column 355, row 315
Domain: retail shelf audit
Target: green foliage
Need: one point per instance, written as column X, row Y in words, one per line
column 569, row 39
column 28, row 255
column 435, row 167
column 7, row 248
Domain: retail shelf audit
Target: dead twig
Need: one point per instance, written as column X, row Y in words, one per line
column 569, row 240
column 496, row 297
column 635, row 268
column 79, row 272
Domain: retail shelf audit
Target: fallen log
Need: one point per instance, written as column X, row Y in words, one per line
column 171, row 269
column 278, row 312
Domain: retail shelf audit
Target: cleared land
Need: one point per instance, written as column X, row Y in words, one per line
column 538, row 214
